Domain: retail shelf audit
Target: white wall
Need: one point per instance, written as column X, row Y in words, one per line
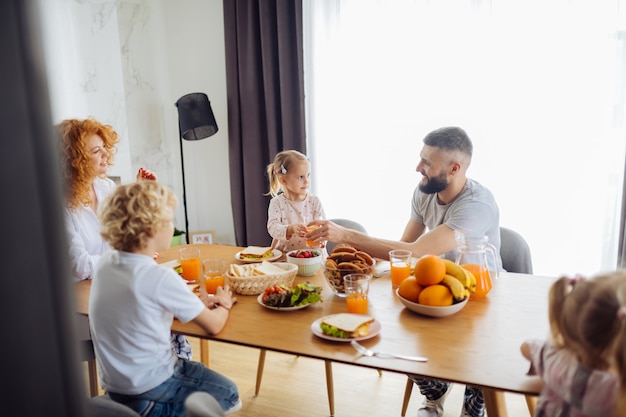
column 126, row 63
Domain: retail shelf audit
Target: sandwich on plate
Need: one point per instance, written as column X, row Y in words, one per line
column 346, row 325
column 255, row 253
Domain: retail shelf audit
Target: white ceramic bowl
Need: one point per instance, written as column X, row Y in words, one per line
column 432, row 311
column 306, row 266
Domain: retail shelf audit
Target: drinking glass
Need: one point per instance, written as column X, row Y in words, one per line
column 213, row 269
column 400, row 262
column 189, row 258
column 357, row 287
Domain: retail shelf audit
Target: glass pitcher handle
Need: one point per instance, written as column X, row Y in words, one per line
column 493, row 251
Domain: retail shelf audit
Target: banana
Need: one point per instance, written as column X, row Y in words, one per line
column 455, row 286
column 472, row 281
column 457, row 272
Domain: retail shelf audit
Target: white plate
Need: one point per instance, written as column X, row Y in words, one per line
column 275, row 255
column 315, row 328
column 260, row 298
column 432, row 311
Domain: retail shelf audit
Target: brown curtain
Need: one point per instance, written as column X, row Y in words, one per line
column 265, row 84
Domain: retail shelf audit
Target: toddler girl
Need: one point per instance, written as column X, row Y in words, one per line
column 292, row 206
column 584, row 364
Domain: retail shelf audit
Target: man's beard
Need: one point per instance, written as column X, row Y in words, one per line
column 434, row 184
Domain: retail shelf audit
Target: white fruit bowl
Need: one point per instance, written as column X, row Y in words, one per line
column 306, row 266
column 432, row 311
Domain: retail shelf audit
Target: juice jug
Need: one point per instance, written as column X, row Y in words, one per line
column 472, row 252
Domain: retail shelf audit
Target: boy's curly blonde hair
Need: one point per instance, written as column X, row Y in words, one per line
column 134, row 212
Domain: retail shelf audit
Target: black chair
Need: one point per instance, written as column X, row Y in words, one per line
column 350, row 224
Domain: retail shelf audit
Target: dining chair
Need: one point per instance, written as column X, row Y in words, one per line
column 87, row 354
column 516, row 257
column 104, row 406
column 350, row 224
column 328, row 366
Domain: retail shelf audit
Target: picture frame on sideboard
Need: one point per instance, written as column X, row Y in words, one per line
column 202, row 237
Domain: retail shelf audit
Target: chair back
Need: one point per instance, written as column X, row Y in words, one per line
column 515, row 252
column 350, row 224
column 103, row 406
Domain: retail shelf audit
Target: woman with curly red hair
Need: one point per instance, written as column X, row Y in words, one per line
column 87, row 149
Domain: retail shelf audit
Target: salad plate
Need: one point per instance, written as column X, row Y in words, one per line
column 317, row 331
column 298, row 307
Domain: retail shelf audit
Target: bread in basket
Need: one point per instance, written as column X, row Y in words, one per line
column 253, row 279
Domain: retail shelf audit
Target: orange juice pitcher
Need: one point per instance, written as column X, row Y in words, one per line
column 472, row 253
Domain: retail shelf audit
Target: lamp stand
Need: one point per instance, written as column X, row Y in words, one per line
column 182, row 164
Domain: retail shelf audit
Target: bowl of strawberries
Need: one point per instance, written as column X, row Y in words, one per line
column 308, row 261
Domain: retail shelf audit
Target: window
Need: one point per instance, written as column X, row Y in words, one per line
column 538, row 86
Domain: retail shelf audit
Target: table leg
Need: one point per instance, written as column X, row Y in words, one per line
column 204, row 352
column 330, row 387
column 495, row 402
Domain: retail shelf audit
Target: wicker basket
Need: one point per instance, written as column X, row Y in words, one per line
column 256, row 284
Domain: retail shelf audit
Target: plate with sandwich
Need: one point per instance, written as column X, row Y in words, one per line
column 345, row 327
column 258, row 254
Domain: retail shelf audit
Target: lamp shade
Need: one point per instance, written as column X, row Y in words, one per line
column 195, row 117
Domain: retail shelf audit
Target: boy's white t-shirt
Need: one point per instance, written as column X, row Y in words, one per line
column 132, row 303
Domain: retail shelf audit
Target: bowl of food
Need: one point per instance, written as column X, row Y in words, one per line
column 432, row 310
column 308, row 261
column 345, row 260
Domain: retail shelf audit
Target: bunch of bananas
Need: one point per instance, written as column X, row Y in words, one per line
column 460, row 281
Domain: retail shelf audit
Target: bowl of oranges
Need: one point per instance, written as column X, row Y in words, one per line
column 438, row 287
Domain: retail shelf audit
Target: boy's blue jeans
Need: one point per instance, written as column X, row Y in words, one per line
column 168, row 399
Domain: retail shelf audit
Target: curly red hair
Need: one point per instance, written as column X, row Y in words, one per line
column 78, row 171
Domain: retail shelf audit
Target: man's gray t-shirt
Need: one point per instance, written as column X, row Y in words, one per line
column 473, row 211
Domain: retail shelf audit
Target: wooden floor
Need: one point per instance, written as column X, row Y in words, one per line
column 296, row 387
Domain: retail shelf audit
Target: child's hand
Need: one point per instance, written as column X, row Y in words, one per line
column 223, row 298
column 296, row 230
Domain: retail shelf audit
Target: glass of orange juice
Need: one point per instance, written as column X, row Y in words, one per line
column 400, row 262
column 357, row 287
column 189, row 258
column 312, row 243
column 213, row 269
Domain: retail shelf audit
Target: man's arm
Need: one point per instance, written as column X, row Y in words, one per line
column 437, row 241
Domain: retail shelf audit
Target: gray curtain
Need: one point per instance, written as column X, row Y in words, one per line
column 41, row 370
column 265, row 87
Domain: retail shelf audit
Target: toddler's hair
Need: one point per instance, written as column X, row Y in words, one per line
column 587, row 317
column 134, row 212
column 280, row 167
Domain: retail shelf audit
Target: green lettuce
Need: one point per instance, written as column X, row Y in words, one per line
column 305, row 293
column 333, row 331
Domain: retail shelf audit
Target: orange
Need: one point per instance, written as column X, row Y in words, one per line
column 436, row 295
column 429, row 270
column 410, row 289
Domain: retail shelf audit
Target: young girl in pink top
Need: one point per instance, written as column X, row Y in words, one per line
column 292, row 205
column 583, row 367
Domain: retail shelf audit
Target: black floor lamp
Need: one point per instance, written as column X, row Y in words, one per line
column 195, row 122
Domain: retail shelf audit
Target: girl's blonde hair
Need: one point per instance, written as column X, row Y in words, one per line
column 282, row 161
column 587, row 316
column 133, row 213
column 76, row 158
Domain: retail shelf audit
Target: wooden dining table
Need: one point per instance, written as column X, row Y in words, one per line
column 478, row 346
